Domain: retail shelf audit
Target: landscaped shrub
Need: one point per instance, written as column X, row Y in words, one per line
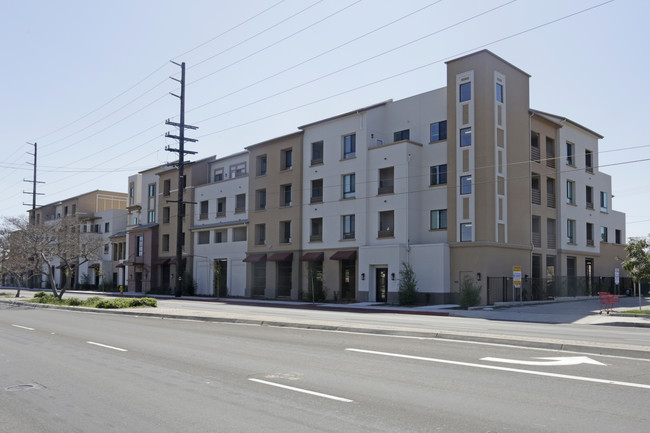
column 408, row 290
column 470, row 294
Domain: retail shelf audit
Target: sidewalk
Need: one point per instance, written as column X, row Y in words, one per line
column 584, row 311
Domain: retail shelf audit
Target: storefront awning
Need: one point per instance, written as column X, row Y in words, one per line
column 312, row 257
column 281, row 257
column 94, row 266
column 120, row 265
column 253, row 258
column 344, row 255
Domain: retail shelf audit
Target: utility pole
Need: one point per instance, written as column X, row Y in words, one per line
column 32, row 218
column 180, row 265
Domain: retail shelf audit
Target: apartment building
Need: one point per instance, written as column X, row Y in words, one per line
column 219, row 228
column 98, row 212
column 275, row 218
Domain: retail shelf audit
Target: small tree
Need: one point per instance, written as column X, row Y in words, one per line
column 637, row 262
column 470, row 294
column 408, row 290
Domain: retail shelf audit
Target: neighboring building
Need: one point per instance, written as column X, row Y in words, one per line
column 220, row 228
column 100, row 212
column 275, row 218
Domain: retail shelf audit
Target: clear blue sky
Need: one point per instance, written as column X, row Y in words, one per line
column 89, row 80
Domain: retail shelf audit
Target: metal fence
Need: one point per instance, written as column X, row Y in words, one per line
column 500, row 289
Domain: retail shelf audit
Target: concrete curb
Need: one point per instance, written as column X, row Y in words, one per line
column 539, row 343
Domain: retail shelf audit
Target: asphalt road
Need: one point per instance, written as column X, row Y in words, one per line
column 63, row 371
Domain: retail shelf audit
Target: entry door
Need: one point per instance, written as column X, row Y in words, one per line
column 589, row 272
column 381, row 284
column 138, row 281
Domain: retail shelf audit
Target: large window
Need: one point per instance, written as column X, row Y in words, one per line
column 240, row 203
column 439, row 219
column 140, row 244
column 466, row 184
column 499, row 92
column 239, row 234
column 348, row 226
column 204, row 237
column 603, row 234
column 152, row 190
column 261, row 165
column 316, row 234
column 570, row 154
column 204, row 210
column 349, row 146
column 589, row 197
column 317, row 153
column 218, row 177
column 285, row 195
column 402, row 135
column 570, row 192
column 466, row 232
column 465, row 137
column 386, row 224
column 386, row 180
column 221, row 207
column 285, row 232
column 260, row 199
column 260, row 234
column 287, row 159
column 438, row 175
column 237, row 170
column 166, row 215
column 151, row 216
column 349, row 188
column 165, row 242
column 603, row 201
column 589, row 161
column 590, row 234
column 438, row 131
column 220, row 236
column 465, row 92
column 534, row 146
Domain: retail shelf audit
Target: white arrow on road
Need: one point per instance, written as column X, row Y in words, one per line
column 548, row 362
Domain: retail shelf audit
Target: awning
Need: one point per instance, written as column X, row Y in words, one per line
column 94, row 266
column 281, row 257
column 312, row 257
column 120, row 265
column 161, row 262
column 253, row 258
column 344, row 255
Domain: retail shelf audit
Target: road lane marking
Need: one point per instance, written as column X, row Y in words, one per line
column 548, row 362
column 512, row 370
column 305, row 391
column 23, row 327
column 108, row 347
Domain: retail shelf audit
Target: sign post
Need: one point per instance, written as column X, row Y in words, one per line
column 617, row 280
column 516, row 281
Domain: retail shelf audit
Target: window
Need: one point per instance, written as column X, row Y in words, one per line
column 237, row 170
column 466, row 232
column 316, row 230
column 240, row 203
column 220, row 236
column 260, row 234
column 536, row 231
column 349, row 146
column 439, row 219
column 348, row 227
column 317, row 191
column 165, row 242
column 151, row 216
column 221, row 207
column 438, row 175
column 260, row 199
column 603, row 201
column 466, row 184
column 590, row 234
column 589, row 197
column 348, row 186
column 239, row 234
column 571, row 268
column 589, row 161
column 603, row 234
column 106, row 248
column 438, row 131
column 618, row 236
column 218, row 175
column 536, row 192
column 570, row 153
column 571, row 231
column 65, row 211
column 550, row 234
column 550, row 192
column 499, row 92
column 550, row 152
column 140, row 244
column 287, row 159
column 570, row 192
column 166, row 215
column 317, row 153
column 285, row 195
column 261, row 165
column 204, row 210
column 402, row 135
column 386, row 224
column 152, row 190
column 534, row 146
column 465, row 92
column 465, row 137
column 285, row 232
column 204, row 237
column 107, row 227
column 386, row 180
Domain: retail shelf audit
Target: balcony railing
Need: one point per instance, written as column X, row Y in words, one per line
column 388, row 233
column 315, row 238
column 536, row 196
column 534, row 154
column 537, row 240
column 221, row 214
column 550, row 200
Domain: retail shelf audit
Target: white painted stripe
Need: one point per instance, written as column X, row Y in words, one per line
column 23, row 327
column 291, row 388
column 108, row 347
column 512, row 370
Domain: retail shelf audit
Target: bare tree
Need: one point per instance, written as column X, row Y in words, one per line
column 35, row 249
